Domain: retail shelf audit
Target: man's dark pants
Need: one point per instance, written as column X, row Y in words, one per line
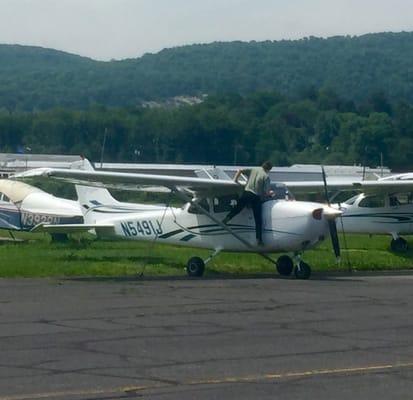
column 254, row 201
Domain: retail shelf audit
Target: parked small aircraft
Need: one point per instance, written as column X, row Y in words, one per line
column 288, row 226
column 384, row 206
column 22, row 207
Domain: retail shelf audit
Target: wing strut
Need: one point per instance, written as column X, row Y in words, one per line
column 186, row 198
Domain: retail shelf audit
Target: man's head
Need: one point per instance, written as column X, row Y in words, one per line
column 267, row 165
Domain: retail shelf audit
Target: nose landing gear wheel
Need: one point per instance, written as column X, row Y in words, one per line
column 302, row 271
column 195, row 267
column 284, row 265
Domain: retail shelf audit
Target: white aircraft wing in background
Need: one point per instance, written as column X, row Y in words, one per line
column 101, row 229
column 383, row 185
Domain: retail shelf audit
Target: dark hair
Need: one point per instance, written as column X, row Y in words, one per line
column 267, row 165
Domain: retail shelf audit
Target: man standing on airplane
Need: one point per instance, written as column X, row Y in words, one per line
column 256, row 190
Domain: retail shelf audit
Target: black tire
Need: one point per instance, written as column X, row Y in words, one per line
column 195, row 267
column 284, row 265
column 303, row 271
column 399, row 245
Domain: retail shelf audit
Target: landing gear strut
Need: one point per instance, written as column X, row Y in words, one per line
column 399, row 245
column 302, row 270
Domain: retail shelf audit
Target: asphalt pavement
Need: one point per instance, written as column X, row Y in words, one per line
column 337, row 337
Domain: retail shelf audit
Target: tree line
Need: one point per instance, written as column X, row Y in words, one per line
column 318, row 127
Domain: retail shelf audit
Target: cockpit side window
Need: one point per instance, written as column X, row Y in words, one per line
column 4, row 198
column 203, row 203
column 400, row 199
column 224, row 203
column 280, row 192
column 372, row 202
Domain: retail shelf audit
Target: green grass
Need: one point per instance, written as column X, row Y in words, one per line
column 37, row 257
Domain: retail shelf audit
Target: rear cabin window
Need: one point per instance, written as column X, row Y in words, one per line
column 401, row 199
column 372, row 202
column 224, row 203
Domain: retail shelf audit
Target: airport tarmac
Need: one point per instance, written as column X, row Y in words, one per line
column 257, row 338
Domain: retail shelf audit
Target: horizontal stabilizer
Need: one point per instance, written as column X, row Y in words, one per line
column 74, row 228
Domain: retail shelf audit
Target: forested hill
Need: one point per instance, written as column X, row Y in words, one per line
column 33, row 78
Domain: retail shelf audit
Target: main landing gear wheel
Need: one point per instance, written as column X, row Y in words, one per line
column 284, row 265
column 195, row 267
column 399, row 245
column 302, row 270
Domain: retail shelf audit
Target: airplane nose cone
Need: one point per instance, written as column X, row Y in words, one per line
column 331, row 213
column 328, row 212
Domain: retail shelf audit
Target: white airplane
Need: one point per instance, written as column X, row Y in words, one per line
column 22, row 207
column 384, row 206
column 288, row 226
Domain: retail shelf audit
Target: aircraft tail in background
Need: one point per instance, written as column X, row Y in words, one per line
column 97, row 204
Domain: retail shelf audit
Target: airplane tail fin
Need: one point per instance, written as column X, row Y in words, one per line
column 91, row 197
column 98, row 205
column 83, row 164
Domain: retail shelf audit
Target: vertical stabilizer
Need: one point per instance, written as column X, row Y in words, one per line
column 83, row 164
column 91, row 197
column 98, row 205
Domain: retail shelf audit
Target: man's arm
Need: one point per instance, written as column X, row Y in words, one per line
column 239, row 172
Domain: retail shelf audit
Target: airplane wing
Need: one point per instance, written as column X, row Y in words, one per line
column 107, row 229
column 131, row 181
column 375, row 186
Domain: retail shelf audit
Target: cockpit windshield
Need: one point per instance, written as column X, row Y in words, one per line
column 280, row 192
column 351, row 200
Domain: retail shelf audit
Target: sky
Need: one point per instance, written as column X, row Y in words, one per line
column 119, row 29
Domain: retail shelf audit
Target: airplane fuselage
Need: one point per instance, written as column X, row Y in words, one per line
column 376, row 215
column 37, row 208
column 287, row 226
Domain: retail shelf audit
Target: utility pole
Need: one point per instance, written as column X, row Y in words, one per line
column 103, row 148
column 381, row 163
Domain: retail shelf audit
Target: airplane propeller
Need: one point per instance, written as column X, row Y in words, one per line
column 331, row 222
